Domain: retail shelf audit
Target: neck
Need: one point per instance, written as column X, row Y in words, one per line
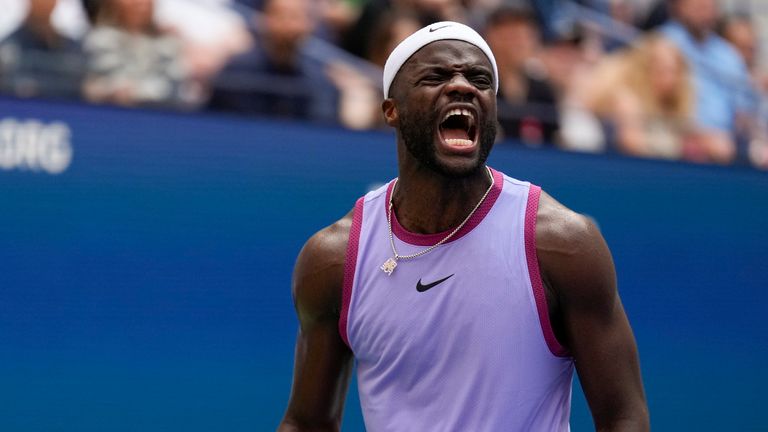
column 515, row 87
column 699, row 34
column 427, row 202
column 283, row 55
column 42, row 28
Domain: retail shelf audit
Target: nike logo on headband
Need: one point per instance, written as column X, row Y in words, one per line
column 432, row 29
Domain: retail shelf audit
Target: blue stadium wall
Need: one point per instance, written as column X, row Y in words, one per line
column 145, row 263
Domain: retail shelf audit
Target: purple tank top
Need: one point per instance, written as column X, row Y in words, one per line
column 474, row 352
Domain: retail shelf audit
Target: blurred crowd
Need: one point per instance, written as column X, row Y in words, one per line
column 671, row 79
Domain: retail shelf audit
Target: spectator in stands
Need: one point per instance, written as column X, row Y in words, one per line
column 652, row 14
column 548, row 13
column 721, row 80
column 644, row 94
column 360, row 100
column 357, row 36
column 526, row 100
column 336, row 17
column 569, row 61
column 277, row 77
column 131, row 61
column 36, row 60
column 391, row 28
column 739, row 31
column 211, row 32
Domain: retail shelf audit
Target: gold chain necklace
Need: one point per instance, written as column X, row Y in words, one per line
column 389, row 266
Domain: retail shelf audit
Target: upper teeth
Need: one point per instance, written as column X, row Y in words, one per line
column 461, row 112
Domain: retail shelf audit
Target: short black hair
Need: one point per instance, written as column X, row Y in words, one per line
column 91, row 9
column 736, row 17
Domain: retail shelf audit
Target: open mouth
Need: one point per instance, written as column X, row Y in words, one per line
column 458, row 128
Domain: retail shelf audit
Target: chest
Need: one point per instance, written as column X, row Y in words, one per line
column 461, row 297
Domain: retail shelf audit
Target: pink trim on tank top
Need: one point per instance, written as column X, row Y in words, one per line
column 531, row 210
column 430, row 239
column 350, row 262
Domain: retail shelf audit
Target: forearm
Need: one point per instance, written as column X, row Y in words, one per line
column 615, row 390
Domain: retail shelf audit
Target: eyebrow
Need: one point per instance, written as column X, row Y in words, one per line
column 440, row 68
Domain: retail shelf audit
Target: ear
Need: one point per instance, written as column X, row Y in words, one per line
column 389, row 108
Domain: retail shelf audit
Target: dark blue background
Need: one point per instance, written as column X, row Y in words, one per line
column 147, row 288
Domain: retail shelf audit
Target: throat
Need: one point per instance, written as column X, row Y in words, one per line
column 427, row 221
column 436, row 208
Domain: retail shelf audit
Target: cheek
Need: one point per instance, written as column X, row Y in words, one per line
column 488, row 104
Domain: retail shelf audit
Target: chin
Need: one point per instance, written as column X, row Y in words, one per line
column 458, row 169
column 466, row 165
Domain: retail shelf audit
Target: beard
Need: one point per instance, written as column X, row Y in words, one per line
column 418, row 131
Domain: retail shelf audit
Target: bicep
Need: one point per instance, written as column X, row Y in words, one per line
column 597, row 329
column 602, row 345
column 322, row 362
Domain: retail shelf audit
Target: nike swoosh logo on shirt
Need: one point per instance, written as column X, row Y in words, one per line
column 432, row 29
column 421, row 288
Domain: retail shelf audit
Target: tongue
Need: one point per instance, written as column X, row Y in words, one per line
column 455, row 134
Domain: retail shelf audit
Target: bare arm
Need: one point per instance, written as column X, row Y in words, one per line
column 323, row 362
column 589, row 318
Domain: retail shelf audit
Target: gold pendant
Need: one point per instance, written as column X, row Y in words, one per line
column 389, row 266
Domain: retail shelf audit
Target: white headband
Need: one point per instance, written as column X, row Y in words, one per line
column 444, row 30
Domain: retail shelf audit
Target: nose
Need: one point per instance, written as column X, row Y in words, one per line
column 459, row 85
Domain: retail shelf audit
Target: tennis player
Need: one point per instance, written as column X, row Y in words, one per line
column 465, row 297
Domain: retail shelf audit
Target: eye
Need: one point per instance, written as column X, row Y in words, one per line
column 432, row 79
column 481, row 81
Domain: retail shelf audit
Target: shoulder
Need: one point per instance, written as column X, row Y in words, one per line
column 104, row 37
column 673, row 30
column 18, row 36
column 727, row 54
column 574, row 259
column 330, row 241
column 241, row 68
column 251, row 59
column 319, row 272
column 561, row 229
